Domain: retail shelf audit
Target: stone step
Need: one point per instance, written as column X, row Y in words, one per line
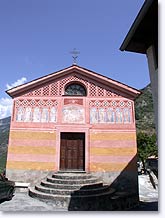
column 72, row 181
column 81, row 192
column 107, row 201
column 69, row 186
column 58, row 201
column 72, row 176
column 35, row 193
column 73, row 191
column 84, row 190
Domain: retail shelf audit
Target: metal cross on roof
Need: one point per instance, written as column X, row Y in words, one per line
column 75, row 55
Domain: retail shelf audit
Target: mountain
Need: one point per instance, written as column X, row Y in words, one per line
column 4, row 135
column 144, row 112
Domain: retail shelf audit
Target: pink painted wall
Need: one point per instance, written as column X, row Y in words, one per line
column 35, row 144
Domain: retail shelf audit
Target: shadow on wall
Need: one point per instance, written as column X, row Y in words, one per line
column 121, row 194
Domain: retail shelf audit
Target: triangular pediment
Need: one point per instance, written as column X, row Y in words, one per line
column 53, row 84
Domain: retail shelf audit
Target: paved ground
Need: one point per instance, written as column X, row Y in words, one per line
column 148, row 194
column 22, row 202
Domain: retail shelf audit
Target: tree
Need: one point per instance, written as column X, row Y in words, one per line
column 147, row 146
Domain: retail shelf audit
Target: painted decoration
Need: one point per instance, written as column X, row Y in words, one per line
column 20, row 114
column 127, row 115
column 101, row 115
column 53, row 114
column 45, row 115
column 93, row 115
column 36, row 114
column 119, row 115
column 110, row 118
column 73, row 114
column 28, row 114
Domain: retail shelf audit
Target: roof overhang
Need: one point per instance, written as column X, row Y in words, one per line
column 125, row 89
column 144, row 30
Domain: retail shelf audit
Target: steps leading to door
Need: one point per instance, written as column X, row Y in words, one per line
column 71, row 190
column 81, row 191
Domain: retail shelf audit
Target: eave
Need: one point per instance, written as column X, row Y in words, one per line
column 17, row 91
column 144, row 30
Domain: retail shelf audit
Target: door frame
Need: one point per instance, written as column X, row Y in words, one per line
column 81, row 136
column 72, row 130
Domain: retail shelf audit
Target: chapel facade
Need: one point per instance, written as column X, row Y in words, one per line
column 72, row 120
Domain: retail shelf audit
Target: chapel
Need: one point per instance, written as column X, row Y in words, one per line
column 73, row 120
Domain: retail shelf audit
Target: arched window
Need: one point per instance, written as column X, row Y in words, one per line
column 75, row 89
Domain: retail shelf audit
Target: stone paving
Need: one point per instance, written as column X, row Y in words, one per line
column 22, row 202
column 148, row 194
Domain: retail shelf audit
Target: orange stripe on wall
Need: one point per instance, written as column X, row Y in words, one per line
column 113, row 151
column 111, row 167
column 112, row 159
column 32, row 135
column 21, row 165
column 31, row 157
column 113, row 136
column 113, row 143
column 31, row 150
column 32, row 142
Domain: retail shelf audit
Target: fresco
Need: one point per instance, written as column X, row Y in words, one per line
column 20, row 114
column 93, row 115
column 36, row 114
column 53, row 114
column 45, row 115
column 102, row 118
column 110, row 118
column 28, row 114
column 73, row 114
column 110, row 115
column 119, row 116
column 127, row 115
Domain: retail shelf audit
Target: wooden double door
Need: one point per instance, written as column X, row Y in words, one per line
column 72, row 151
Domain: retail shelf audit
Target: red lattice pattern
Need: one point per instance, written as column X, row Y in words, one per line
column 54, row 89
column 38, row 92
column 45, row 91
column 92, row 90
column 35, row 103
column 100, row 91
column 57, row 88
column 108, row 103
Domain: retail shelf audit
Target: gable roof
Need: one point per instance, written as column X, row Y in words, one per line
column 17, row 91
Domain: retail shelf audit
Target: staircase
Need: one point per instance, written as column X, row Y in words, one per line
column 73, row 191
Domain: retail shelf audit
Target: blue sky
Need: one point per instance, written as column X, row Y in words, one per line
column 36, row 37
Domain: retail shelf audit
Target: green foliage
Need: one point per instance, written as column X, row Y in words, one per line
column 144, row 113
column 147, row 146
column 4, row 137
column 2, row 162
